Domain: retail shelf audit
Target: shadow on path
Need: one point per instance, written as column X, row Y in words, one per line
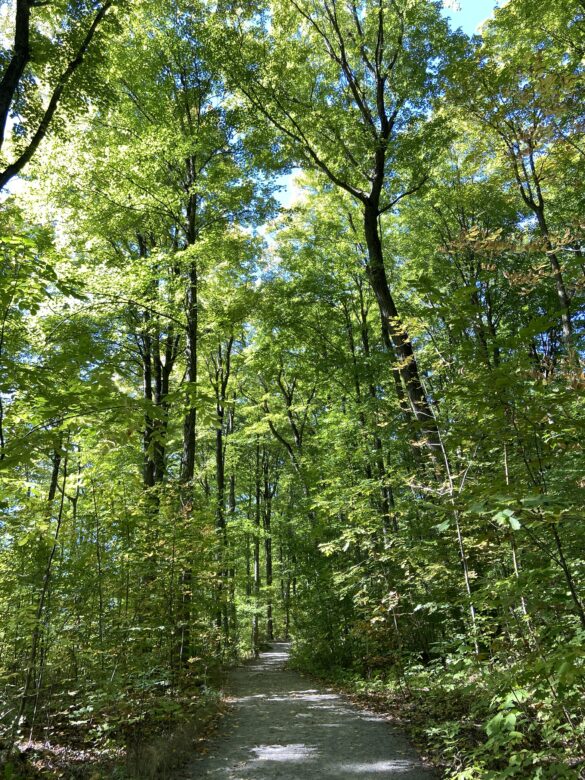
column 283, row 728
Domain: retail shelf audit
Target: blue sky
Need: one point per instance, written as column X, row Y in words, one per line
column 472, row 13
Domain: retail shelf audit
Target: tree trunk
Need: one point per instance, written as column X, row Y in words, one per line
column 36, row 634
column 562, row 294
column 407, row 365
column 233, row 617
column 188, row 463
column 18, row 62
column 257, row 578
column 220, row 527
column 149, row 466
column 268, row 549
column 190, row 420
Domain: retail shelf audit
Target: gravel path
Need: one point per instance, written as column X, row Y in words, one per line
column 282, row 727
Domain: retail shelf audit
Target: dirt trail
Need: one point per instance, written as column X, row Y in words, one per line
column 282, row 727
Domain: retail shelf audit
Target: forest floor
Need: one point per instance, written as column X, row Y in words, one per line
column 283, row 725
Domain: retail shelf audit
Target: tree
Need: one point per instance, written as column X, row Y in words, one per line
column 353, row 104
column 518, row 99
column 48, row 49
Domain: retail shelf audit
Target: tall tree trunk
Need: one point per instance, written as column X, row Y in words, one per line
column 268, row 547
column 387, row 497
column 18, row 62
column 233, row 617
column 148, row 391
column 188, row 457
column 100, row 584
column 190, row 420
column 220, row 527
column 257, row 576
column 407, row 365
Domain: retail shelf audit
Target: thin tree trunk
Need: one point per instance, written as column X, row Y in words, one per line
column 188, row 458
column 99, row 573
column 257, row 576
column 569, row 577
column 562, row 294
column 233, row 617
column 461, row 548
column 268, row 549
column 36, row 634
column 220, row 526
column 149, row 466
column 190, row 420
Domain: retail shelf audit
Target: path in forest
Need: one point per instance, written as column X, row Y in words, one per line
column 283, row 727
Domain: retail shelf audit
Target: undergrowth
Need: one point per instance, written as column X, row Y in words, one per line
column 146, row 732
column 477, row 720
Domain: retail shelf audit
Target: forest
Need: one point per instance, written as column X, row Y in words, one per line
column 291, row 346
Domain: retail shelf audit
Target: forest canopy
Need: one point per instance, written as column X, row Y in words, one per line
column 355, row 420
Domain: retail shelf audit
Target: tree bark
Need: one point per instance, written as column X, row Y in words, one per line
column 407, row 365
column 18, row 62
column 268, row 494
column 256, row 553
column 190, row 420
column 23, row 56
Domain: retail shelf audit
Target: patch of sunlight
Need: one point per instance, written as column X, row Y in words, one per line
column 243, row 699
column 284, row 752
column 397, row 767
column 291, row 696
